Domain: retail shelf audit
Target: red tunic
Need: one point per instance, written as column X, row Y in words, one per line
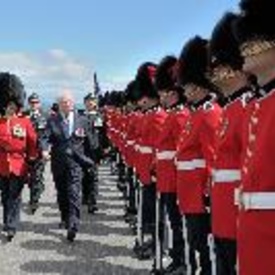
column 226, row 173
column 166, row 151
column 130, row 138
column 150, row 130
column 137, row 136
column 195, row 153
column 18, row 143
column 256, row 226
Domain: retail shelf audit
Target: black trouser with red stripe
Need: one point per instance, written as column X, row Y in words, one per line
column 198, row 229
column 168, row 201
column 226, row 256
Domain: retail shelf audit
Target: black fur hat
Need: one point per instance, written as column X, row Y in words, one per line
column 193, row 61
column 11, row 90
column 145, row 80
column 223, row 47
column 101, row 101
column 120, row 99
column 255, row 21
column 166, row 73
column 116, row 99
column 256, row 7
column 131, row 92
column 110, row 98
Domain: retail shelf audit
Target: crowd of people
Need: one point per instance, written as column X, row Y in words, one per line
column 191, row 138
column 30, row 137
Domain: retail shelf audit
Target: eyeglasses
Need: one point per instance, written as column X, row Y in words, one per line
column 252, row 48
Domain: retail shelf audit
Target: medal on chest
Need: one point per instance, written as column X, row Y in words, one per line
column 18, row 131
column 80, row 132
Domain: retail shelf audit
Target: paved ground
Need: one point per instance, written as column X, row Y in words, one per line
column 103, row 245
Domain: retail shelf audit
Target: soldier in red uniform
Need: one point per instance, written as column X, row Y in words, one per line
column 172, row 100
column 150, row 127
column 226, row 72
column 256, row 224
column 130, row 136
column 17, row 149
column 196, row 149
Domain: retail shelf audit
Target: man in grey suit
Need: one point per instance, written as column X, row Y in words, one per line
column 67, row 142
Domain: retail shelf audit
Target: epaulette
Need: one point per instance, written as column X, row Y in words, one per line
column 246, row 98
column 207, row 106
column 154, row 109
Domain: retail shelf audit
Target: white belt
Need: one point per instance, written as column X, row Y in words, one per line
column 145, row 149
column 257, row 200
column 166, row 155
column 191, row 164
column 130, row 142
column 136, row 146
column 226, row 175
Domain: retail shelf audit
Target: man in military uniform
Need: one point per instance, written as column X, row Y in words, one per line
column 151, row 123
column 196, row 149
column 89, row 182
column 18, row 149
column 256, row 220
column 36, row 177
column 171, row 99
column 226, row 72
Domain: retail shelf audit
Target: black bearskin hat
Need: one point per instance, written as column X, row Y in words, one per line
column 256, row 7
column 11, row 90
column 223, row 47
column 102, row 100
column 131, row 92
column 255, row 22
column 145, row 80
column 193, row 61
column 116, row 99
column 166, row 73
column 110, row 98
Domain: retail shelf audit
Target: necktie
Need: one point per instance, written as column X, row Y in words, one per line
column 66, row 125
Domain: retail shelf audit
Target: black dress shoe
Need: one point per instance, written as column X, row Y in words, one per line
column 92, row 209
column 84, row 201
column 33, row 207
column 71, row 235
column 63, row 225
column 10, row 235
column 175, row 268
